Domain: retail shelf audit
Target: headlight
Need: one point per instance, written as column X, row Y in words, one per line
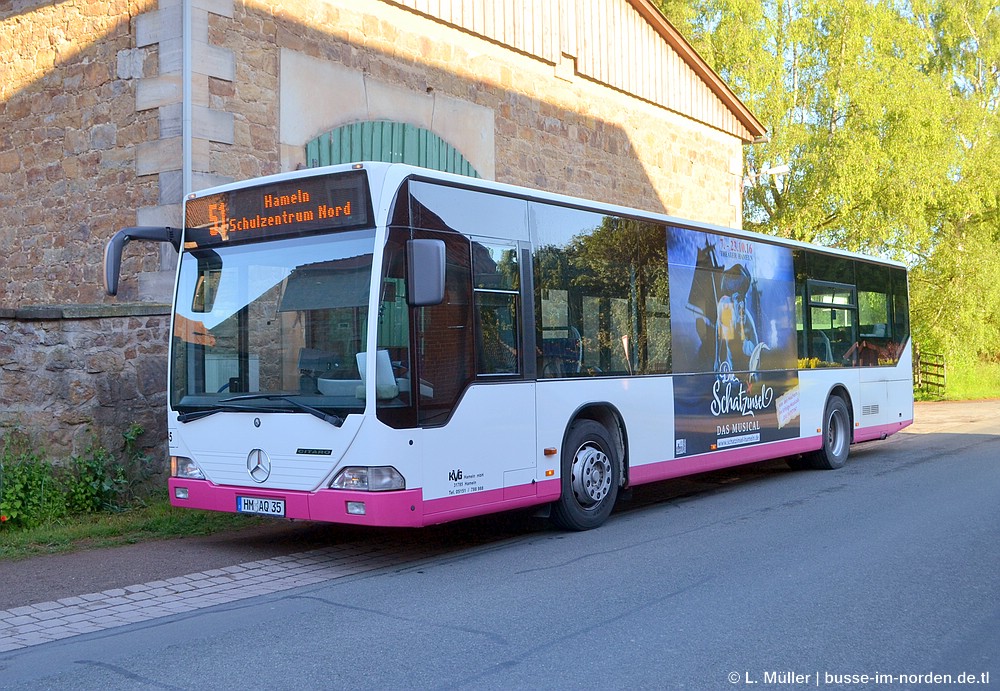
column 377, row 479
column 181, row 466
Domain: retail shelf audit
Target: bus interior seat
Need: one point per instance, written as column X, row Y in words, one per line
column 562, row 356
column 385, row 381
column 821, row 346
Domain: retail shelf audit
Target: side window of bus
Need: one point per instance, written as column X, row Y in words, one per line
column 882, row 314
column 444, row 335
column 496, row 282
column 602, row 303
column 900, row 312
column 800, row 323
column 849, row 312
column 832, row 323
column 430, row 379
column 393, row 335
column 470, row 212
column 874, row 316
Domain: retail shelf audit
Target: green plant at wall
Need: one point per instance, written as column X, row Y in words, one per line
column 94, row 481
column 29, row 487
column 137, row 466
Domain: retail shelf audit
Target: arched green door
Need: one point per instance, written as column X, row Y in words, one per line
column 392, row 142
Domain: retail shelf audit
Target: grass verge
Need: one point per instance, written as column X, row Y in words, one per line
column 155, row 520
column 973, row 381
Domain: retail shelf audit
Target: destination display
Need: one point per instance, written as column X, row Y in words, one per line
column 296, row 207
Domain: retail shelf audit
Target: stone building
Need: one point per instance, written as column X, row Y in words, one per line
column 111, row 111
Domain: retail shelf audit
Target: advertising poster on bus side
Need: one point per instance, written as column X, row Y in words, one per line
column 732, row 306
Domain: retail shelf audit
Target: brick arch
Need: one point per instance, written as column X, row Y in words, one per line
column 384, row 140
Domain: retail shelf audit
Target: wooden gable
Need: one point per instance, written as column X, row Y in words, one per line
column 625, row 44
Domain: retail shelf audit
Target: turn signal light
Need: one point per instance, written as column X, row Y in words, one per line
column 181, row 466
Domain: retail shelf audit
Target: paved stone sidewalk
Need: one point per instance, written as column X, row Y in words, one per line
column 42, row 622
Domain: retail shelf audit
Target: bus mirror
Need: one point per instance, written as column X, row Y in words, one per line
column 425, row 269
column 113, row 250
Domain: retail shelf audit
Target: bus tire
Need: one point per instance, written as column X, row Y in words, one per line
column 836, row 436
column 591, row 475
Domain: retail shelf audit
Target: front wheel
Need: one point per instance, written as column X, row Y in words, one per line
column 836, row 436
column 591, row 474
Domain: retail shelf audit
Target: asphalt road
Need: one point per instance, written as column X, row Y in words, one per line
column 759, row 577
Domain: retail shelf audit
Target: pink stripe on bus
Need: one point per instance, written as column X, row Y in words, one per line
column 703, row 463
column 879, row 431
column 407, row 508
column 397, row 509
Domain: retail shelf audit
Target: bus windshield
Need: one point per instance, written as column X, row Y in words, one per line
column 273, row 326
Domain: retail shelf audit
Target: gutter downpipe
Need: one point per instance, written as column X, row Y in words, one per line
column 186, row 106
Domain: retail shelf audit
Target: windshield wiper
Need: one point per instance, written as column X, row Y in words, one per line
column 205, row 412
column 197, row 414
column 334, row 420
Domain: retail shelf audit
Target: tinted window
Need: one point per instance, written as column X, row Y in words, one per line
column 476, row 328
column 859, row 306
column 602, row 303
column 445, row 345
column 394, row 333
column 825, row 267
column 900, row 307
column 496, row 280
column 440, row 207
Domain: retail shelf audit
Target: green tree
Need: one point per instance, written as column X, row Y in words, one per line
column 955, row 283
column 886, row 116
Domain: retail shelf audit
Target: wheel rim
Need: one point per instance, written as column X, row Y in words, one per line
column 591, row 475
column 836, row 433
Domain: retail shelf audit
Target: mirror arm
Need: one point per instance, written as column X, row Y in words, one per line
column 113, row 250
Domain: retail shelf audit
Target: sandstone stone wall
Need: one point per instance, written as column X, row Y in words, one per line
column 552, row 128
column 90, row 141
column 68, row 374
column 68, row 132
column 68, row 135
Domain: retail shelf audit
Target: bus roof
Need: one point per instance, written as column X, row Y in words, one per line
column 389, row 176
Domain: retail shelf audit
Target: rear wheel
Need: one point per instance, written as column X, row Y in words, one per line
column 591, row 474
column 836, row 436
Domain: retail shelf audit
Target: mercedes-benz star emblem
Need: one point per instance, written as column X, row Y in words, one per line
column 258, row 465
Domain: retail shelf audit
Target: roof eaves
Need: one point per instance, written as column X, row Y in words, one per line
column 688, row 54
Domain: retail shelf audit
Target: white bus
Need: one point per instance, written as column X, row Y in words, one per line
column 386, row 345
